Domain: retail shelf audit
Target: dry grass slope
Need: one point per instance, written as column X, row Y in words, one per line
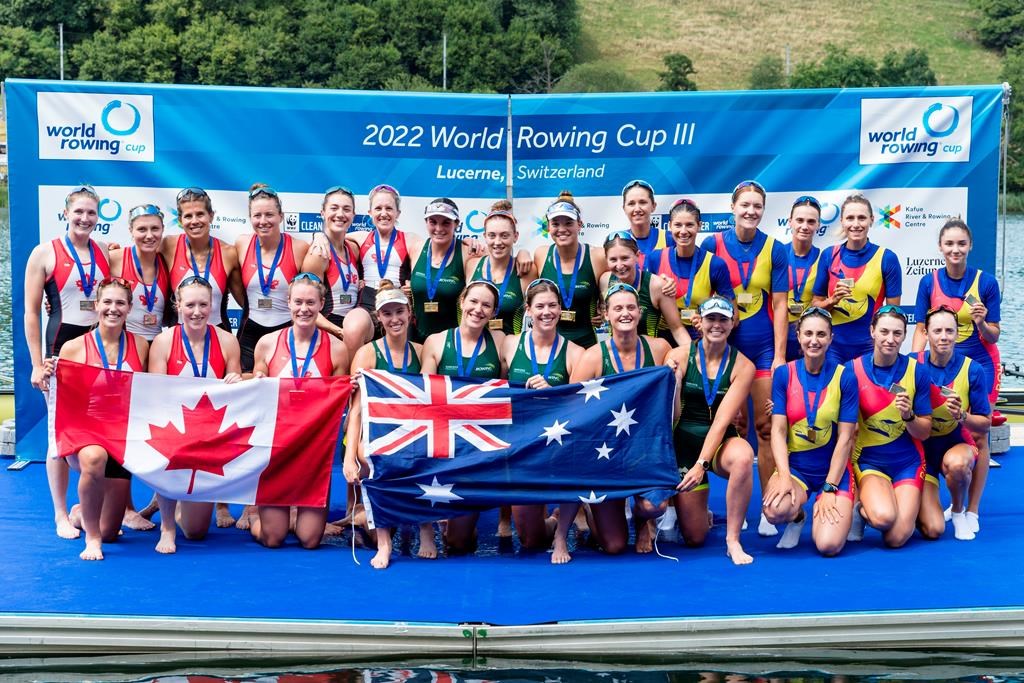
column 725, row 38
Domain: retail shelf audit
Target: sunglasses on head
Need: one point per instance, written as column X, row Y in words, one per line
column 637, row 183
column 308, row 276
column 890, row 309
column 750, row 183
column 684, row 201
column 625, row 235
column 808, row 199
column 620, row 287
column 256, row 192
column 191, row 193
column 120, row 281
column 194, row 280
column 541, row 281
column 145, row 210
column 384, row 188
column 337, row 188
column 815, row 310
column 87, row 189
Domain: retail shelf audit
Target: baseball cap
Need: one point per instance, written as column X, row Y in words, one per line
column 563, row 209
column 390, row 296
column 717, row 304
column 442, row 206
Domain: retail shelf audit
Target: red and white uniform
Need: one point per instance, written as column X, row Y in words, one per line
column 136, row 322
column 94, row 357
column 179, row 365
column 280, row 364
column 340, row 301
column 368, row 257
column 278, row 313
column 182, row 268
column 64, row 286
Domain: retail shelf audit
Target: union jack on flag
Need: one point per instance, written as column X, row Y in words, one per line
column 428, row 407
column 443, row 446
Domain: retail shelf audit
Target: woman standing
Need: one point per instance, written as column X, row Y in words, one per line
column 697, row 273
column 638, row 204
column 974, row 296
column 814, row 416
column 297, row 351
column 575, row 268
column 802, row 255
column 499, row 267
column 383, row 251
column 895, row 417
column 192, row 348
column 142, row 265
column 855, row 279
column 757, row 268
column 270, row 262
column 626, row 350
column 66, row 270
column 444, row 353
column 104, row 485
column 960, row 409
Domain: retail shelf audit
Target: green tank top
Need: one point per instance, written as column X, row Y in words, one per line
column 584, row 299
column 696, row 417
column 487, row 366
column 382, row 361
column 512, row 305
column 521, row 368
column 650, row 317
column 446, row 298
column 608, row 363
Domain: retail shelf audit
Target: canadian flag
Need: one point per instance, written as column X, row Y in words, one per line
column 266, row 441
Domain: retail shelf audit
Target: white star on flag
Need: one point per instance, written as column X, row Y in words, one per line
column 594, row 499
column 592, row 388
column 604, row 452
column 623, row 420
column 555, row 432
column 436, row 492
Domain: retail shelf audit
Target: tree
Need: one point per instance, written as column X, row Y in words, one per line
column 1002, row 23
column 908, row 68
column 595, row 77
column 148, row 54
column 768, row 74
column 838, row 69
column 25, row 53
column 1013, row 73
column 676, row 76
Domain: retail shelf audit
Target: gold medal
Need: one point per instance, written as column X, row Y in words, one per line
column 149, row 319
column 686, row 315
column 495, row 324
column 568, row 316
column 744, row 298
column 430, row 307
column 848, row 281
column 87, row 305
column 812, row 435
column 796, row 309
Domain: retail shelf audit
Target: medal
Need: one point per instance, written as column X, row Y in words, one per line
column 148, row 291
column 468, row 371
column 811, row 409
column 344, row 298
column 391, row 363
column 149, row 319
column 87, row 305
column 568, row 316
column 344, row 275
column 551, row 358
column 495, row 324
column 618, row 359
column 264, row 303
column 382, row 263
column 103, row 351
column 88, row 281
column 430, row 307
column 744, row 298
column 267, row 282
column 433, row 282
column 192, row 357
column 796, row 309
column 710, row 391
column 291, row 350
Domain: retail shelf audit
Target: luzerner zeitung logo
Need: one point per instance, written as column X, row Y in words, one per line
column 93, row 126
column 915, row 129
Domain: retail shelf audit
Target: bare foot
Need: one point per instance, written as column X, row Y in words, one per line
column 166, row 544
column 243, row 519
column 428, row 547
column 93, row 549
column 504, row 522
column 134, row 520
column 75, row 516
column 561, row 553
column 333, row 530
column 223, row 516
column 383, row 557
column 736, row 553
column 150, row 509
column 643, row 537
column 582, row 526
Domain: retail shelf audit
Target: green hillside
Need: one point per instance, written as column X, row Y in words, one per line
column 725, row 38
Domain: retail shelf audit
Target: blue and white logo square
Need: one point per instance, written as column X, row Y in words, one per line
column 98, row 127
column 915, row 129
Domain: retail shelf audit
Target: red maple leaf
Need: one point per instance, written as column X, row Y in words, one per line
column 203, row 445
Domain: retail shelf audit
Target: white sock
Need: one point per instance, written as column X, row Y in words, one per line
column 973, row 521
column 791, row 536
column 962, row 527
column 856, row 526
column 668, row 520
column 947, row 514
column 766, row 528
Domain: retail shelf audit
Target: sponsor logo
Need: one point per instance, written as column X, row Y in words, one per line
column 474, row 222
column 109, row 210
column 915, row 129
column 92, row 126
column 303, row 222
column 888, row 216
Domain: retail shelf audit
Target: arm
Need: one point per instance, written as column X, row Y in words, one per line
column 263, row 347
column 524, row 262
column 669, row 310
column 920, row 339
column 677, row 359
column 589, row 366
column 339, row 357
column 35, row 281
column 352, row 465
column 232, row 356
column 431, row 357
column 234, row 270
column 918, row 426
column 780, row 327
column 158, row 352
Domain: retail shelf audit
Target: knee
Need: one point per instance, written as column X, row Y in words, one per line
column 648, row 510
column 194, row 534
column 738, row 460
column 764, row 428
column 310, row 543
column 693, row 537
column 778, row 515
column 931, row 530
column 957, row 469
column 93, row 461
column 880, row 519
column 830, row 548
column 533, row 542
column 615, row 546
column 271, row 539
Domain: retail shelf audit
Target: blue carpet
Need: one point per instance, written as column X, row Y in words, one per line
column 228, row 575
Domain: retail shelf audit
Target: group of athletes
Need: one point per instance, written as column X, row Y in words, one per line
column 812, row 336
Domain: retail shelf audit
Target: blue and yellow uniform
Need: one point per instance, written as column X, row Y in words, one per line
column 657, row 238
column 876, row 275
column 756, row 270
column 802, row 271
column 810, row 445
column 938, row 289
column 697, row 278
column 884, row 447
column 967, row 379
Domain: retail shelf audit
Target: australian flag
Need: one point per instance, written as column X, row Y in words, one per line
column 441, row 446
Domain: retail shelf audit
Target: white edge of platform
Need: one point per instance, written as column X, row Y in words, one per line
column 988, row 629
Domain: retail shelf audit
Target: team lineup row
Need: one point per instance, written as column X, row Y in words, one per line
column 723, row 316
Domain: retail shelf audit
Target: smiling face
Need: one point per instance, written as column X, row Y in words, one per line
column 622, row 311
column 888, row 333
column 942, row 333
column 804, row 222
column 747, row 209
column 815, row 336
column 955, row 245
column 305, row 299
column 113, row 302
column 194, row 304
column 621, row 262
column 265, row 217
column 338, row 212
column 146, row 232
column 478, row 302
column 384, row 211
column 564, row 231
column 545, row 309
column 394, row 318
column 440, row 229
column 82, row 215
column 857, row 220
column 195, row 219
column 500, row 235
column 716, row 327
column 684, row 227
column 638, row 205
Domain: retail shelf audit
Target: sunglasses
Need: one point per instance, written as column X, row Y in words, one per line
column 256, row 192
column 624, row 235
column 337, row 188
column 191, row 193
column 145, row 210
column 637, row 183
column 815, row 310
column 890, row 309
column 307, row 276
column 119, row 281
column 195, row 280
column 87, row 189
column 620, row 287
column 384, row 188
column 938, row 309
column 541, row 281
column 750, row 183
column 807, row 199
column 685, row 201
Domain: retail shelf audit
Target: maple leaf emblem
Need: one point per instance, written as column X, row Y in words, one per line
column 203, row 445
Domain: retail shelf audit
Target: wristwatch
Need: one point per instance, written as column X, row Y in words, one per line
column 911, row 418
column 706, row 464
column 829, row 488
